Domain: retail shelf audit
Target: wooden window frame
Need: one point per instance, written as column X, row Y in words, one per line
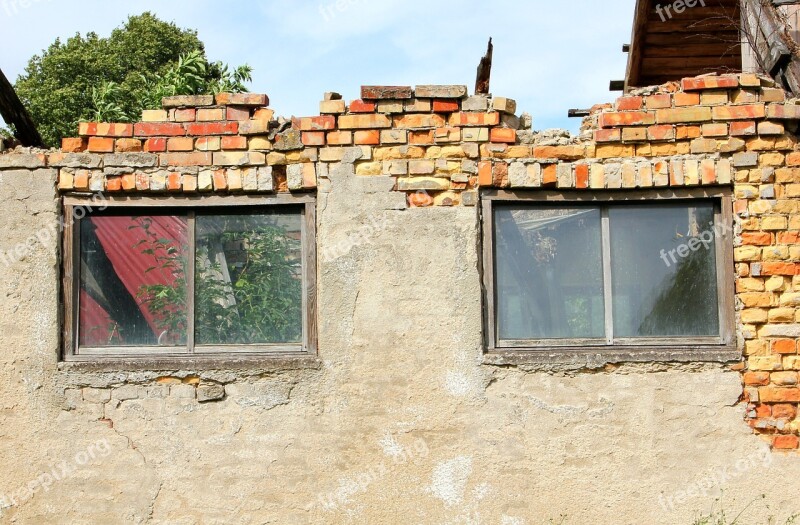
column 71, row 351
column 722, row 348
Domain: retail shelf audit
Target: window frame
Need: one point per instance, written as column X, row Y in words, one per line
column 206, row 205
column 721, row 348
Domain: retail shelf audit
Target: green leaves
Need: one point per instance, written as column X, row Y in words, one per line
column 114, row 78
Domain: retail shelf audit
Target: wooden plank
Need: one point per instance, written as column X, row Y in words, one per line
column 14, row 113
column 309, row 255
column 634, row 67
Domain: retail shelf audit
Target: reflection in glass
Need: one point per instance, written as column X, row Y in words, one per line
column 132, row 284
column 663, row 267
column 248, row 279
column 549, row 273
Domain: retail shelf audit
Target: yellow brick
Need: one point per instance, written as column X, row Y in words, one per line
column 769, row 362
column 749, row 284
column 771, row 159
column 608, row 151
column 781, row 315
column 754, row 316
column 747, row 253
column 755, row 347
column 369, row 168
column 774, row 223
column 756, row 299
column 775, row 283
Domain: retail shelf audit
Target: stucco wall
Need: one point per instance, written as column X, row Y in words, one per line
column 400, row 420
column 400, row 424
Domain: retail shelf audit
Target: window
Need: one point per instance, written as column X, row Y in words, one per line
column 607, row 270
column 177, row 278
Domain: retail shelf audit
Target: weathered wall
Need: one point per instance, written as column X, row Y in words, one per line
column 401, row 420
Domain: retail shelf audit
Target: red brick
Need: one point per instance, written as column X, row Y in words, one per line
column 773, row 394
column 661, row 132
column 105, row 129
column 234, row 142
column 241, row 99
column 385, row 92
column 313, row 138
column 607, row 135
column 359, row 106
column 756, row 238
column 778, row 268
column 155, row 129
column 783, row 111
column 503, row 135
column 789, row 237
column 339, row 138
column 474, row 119
column 420, row 199
column 559, row 152
column 756, row 378
column 321, row 123
column 365, row 121
column 687, row 132
column 421, row 137
column 582, row 176
column 128, row 145
column 180, row 144
column 793, row 159
column 744, row 112
column 485, row 173
column 74, row 144
column 633, row 118
column 155, row 145
column 100, row 145
column 174, row 182
column 185, row 115
column 219, row 180
column 368, row 137
column 113, row 183
column 81, row 180
column 236, row 113
column 784, row 346
column 446, row 106
column 629, row 103
column 711, row 82
column 549, row 174
column 785, row 442
column 658, row 101
column 715, row 129
column 784, row 411
column 142, row 181
column 686, row 99
column 128, row 182
column 212, row 128
column 741, row 129
column 683, row 115
column 197, row 158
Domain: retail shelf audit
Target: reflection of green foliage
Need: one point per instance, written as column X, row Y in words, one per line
column 167, row 303
column 684, row 306
column 262, row 302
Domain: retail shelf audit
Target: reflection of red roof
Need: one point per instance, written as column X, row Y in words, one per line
column 120, row 238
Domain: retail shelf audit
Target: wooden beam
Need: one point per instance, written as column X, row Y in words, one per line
column 637, row 37
column 484, row 75
column 14, row 113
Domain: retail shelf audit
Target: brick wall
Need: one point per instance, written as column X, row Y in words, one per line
column 441, row 145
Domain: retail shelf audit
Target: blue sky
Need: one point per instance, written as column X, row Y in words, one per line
column 549, row 55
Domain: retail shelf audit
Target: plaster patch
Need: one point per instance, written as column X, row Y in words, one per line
column 450, row 478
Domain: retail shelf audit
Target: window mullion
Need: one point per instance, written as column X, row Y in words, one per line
column 190, row 280
column 605, row 234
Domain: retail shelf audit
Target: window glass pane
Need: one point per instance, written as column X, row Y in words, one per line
column 549, row 273
column 248, row 282
column 663, row 267
column 133, row 285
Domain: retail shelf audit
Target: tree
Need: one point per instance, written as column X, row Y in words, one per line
column 70, row 79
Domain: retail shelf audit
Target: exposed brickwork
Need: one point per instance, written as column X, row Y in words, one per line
column 441, row 145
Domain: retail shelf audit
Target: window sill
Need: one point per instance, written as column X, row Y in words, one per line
column 250, row 363
column 589, row 358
